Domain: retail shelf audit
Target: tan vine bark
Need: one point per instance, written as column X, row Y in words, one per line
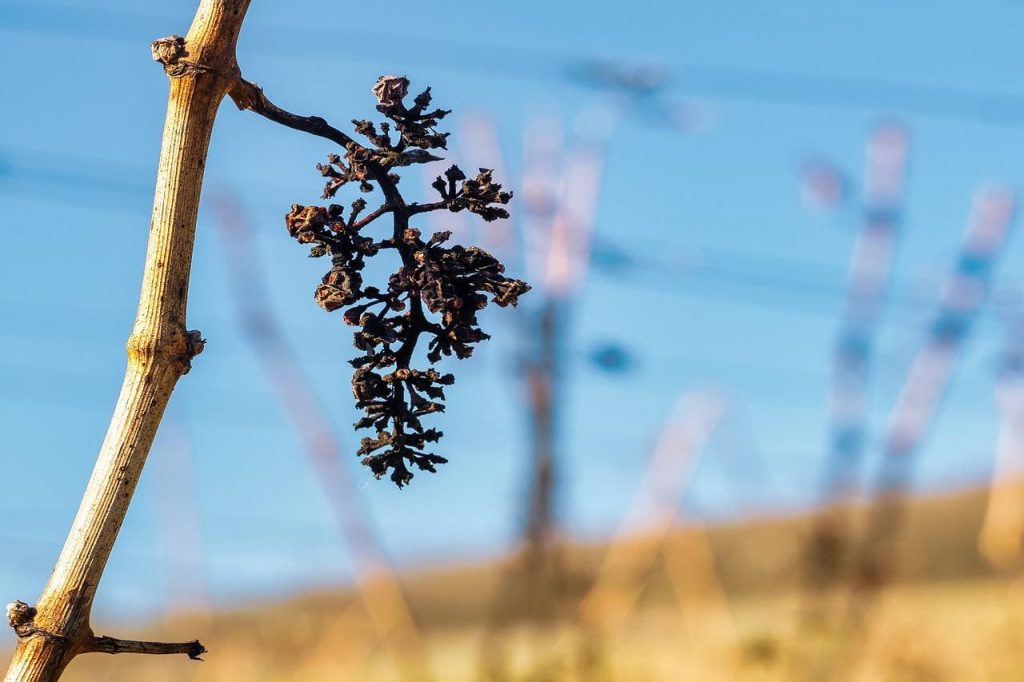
column 202, row 68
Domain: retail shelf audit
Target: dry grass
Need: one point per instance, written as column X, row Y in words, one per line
column 969, row 631
column 950, row 618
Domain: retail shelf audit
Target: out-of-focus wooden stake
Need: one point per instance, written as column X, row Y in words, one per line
column 650, row 518
column 179, row 530
column 1003, row 528
column 376, row 582
column 871, row 267
column 928, row 379
column 556, row 227
column 690, row 565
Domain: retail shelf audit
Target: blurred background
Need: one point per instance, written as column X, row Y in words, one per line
column 762, row 416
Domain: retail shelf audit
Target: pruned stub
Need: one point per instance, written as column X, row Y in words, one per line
column 20, row 616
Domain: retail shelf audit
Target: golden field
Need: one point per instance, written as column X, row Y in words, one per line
column 948, row 617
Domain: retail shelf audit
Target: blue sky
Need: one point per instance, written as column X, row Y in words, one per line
column 78, row 148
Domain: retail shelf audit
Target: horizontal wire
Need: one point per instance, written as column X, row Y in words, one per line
column 812, row 290
column 999, row 109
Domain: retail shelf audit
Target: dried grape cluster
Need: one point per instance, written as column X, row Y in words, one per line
column 436, row 292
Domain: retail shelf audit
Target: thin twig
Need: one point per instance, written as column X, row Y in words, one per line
column 250, row 96
column 112, row 645
column 423, row 208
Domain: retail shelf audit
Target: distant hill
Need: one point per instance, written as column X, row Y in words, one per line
column 313, row 636
column 939, row 543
